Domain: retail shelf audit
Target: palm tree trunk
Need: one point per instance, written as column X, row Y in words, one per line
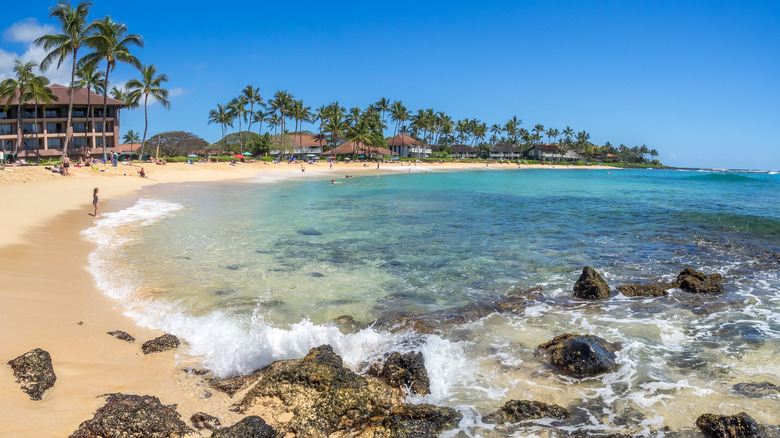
column 69, row 124
column 105, row 112
column 240, row 136
column 89, row 111
column 37, row 145
column 146, row 125
column 19, row 129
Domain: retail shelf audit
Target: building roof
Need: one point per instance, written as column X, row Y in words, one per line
column 349, row 148
column 546, row 147
column 462, row 149
column 308, row 140
column 403, row 140
column 505, row 147
column 79, row 97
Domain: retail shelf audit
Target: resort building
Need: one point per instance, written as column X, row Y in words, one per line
column 305, row 144
column 464, row 151
column 47, row 134
column 407, row 147
column 505, row 151
column 552, row 152
column 350, row 148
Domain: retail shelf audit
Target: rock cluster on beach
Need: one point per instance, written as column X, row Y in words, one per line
column 591, row 286
column 126, row 415
column 515, row 411
column 34, row 371
column 580, row 356
column 161, row 343
column 728, row 426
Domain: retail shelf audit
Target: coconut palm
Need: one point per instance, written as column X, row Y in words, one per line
column 261, row 116
column 123, row 95
column 336, row 126
column 110, row 42
column 237, row 108
column 74, row 28
column 301, row 114
column 131, row 137
column 360, row 133
column 89, row 78
column 281, row 102
column 383, row 105
column 274, row 121
column 252, row 97
column 222, row 116
column 150, row 84
column 39, row 92
column 18, row 88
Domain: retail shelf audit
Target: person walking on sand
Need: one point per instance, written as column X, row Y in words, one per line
column 95, row 200
column 65, row 166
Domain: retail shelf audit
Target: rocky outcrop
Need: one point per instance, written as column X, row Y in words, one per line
column 324, row 398
column 34, row 371
column 124, row 336
column 413, row 421
column 407, row 371
column 691, row 280
column 249, row 427
column 756, row 390
column 231, row 386
column 161, row 343
column 591, row 286
column 580, row 356
column 644, row 290
column 515, row 411
column 202, row 420
column 723, row 426
column 133, row 416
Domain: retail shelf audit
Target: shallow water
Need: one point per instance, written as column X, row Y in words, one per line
column 249, row 273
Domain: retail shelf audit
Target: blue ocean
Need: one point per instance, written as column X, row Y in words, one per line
column 255, row 271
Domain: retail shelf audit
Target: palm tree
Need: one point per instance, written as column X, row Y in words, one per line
column 336, row 126
column 383, row 105
column 19, row 87
column 90, row 78
column 281, row 103
column 222, row 116
column 252, row 97
column 74, row 28
column 398, row 114
column 274, row 121
column 260, row 116
column 149, row 85
column 237, row 109
column 123, row 95
column 538, row 131
column 131, row 137
column 111, row 43
column 300, row 114
column 39, row 92
column 360, row 133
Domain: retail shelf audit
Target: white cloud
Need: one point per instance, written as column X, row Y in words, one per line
column 177, row 92
column 27, row 31
column 672, row 155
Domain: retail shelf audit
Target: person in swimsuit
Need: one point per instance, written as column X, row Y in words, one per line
column 95, row 200
column 143, row 174
column 65, row 166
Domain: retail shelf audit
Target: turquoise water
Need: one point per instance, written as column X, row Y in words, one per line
column 252, row 272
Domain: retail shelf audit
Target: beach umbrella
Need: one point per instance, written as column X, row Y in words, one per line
column 311, row 155
column 331, row 157
column 248, row 153
column 238, row 156
column 362, row 156
column 192, row 156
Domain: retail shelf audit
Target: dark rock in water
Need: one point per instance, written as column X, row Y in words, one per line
column 347, row 324
column 723, row 426
column 325, row 398
column 756, row 390
column 317, row 275
column 250, row 427
column 232, row 385
column 517, row 300
column 407, row 371
column 161, row 343
column 741, row 333
column 202, row 420
column 310, row 232
column 33, row 370
column 119, row 334
column 691, row 280
column 580, row 356
column 414, row 421
column 591, row 286
column 233, row 267
column 515, row 411
column 644, row 290
column 133, row 416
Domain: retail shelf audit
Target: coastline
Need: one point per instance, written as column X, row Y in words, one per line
column 45, row 215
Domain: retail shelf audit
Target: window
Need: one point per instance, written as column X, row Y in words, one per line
column 30, row 144
column 4, row 115
column 29, row 114
column 52, row 113
column 98, row 126
column 79, row 112
column 6, row 129
column 99, row 142
column 79, row 127
column 55, row 143
column 79, row 142
column 30, row 128
column 53, row 128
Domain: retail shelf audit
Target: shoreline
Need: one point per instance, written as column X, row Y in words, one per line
column 44, row 311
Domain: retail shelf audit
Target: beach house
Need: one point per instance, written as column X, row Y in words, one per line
column 51, row 124
column 505, row 151
column 464, row 151
column 358, row 149
column 407, row 147
column 305, row 144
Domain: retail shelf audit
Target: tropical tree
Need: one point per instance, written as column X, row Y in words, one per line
column 383, row 106
column 252, row 97
column 281, row 103
column 39, row 92
column 150, row 84
column 222, row 116
column 123, row 95
column 131, row 137
column 237, row 109
column 111, row 43
column 301, row 114
column 74, row 30
column 18, row 88
column 336, row 126
column 360, row 133
column 89, row 78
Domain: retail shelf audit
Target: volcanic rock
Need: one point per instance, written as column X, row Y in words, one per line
column 202, row 420
column 413, row 421
column 644, row 290
column 119, row 334
column 723, row 426
column 133, row 416
column 249, row 427
column 691, row 280
column 756, row 390
column 407, row 371
column 161, row 343
column 591, row 286
column 234, row 384
column 580, row 356
column 515, row 411
column 34, row 371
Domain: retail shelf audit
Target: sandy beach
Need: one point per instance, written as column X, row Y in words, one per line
column 50, row 301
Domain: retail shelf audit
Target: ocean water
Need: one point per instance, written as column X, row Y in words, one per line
column 252, row 272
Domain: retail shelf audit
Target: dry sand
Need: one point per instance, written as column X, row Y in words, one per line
column 49, row 301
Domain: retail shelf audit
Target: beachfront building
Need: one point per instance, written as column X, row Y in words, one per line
column 505, row 151
column 552, row 152
column 306, row 144
column 51, row 124
column 407, row 147
column 358, row 149
column 463, row 151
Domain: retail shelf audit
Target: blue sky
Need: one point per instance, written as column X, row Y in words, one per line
column 697, row 80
